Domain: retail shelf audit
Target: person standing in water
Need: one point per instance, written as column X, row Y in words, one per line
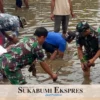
column 1, row 6
column 60, row 13
column 89, row 38
column 19, row 3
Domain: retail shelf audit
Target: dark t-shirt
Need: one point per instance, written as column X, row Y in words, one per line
column 91, row 42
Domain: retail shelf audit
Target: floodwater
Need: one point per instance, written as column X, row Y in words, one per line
column 69, row 69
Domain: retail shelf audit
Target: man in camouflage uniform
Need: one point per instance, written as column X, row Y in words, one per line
column 23, row 53
column 89, row 38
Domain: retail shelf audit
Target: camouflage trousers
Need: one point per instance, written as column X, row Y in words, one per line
column 15, row 77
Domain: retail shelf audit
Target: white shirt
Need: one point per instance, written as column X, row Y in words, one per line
column 2, row 50
column 62, row 7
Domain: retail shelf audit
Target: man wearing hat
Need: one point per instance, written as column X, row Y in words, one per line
column 56, row 43
column 10, row 23
column 89, row 38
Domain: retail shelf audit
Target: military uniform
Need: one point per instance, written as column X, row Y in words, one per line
column 91, row 43
column 19, row 55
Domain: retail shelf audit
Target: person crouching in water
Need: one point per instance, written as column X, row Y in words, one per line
column 56, row 43
column 25, row 52
column 89, row 38
column 10, row 23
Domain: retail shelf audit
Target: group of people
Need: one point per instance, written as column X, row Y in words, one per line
column 27, row 50
column 86, row 36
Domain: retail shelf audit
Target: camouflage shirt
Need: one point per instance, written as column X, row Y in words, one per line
column 23, row 53
column 9, row 23
column 91, row 42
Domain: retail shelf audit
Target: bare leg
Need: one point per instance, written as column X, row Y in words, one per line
column 26, row 3
column 87, row 73
column 1, row 6
column 18, row 4
column 87, row 80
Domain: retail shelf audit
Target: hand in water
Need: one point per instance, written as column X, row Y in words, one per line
column 85, row 66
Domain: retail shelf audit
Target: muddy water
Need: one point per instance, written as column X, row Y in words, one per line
column 69, row 69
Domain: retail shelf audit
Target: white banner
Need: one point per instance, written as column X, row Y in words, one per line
column 49, row 91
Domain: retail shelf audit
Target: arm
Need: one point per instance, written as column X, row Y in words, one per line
column 61, row 49
column 11, row 39
column 60, row 53
column 47, row 69
column 71, row 8
column 9, row 47
column 52, row 8
column 41, row 56
column 80, row 52
column 79, row 45
column 53, row 56
column 7, row 36
column 98, row 52
column 95, row 57
column 80, row 55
